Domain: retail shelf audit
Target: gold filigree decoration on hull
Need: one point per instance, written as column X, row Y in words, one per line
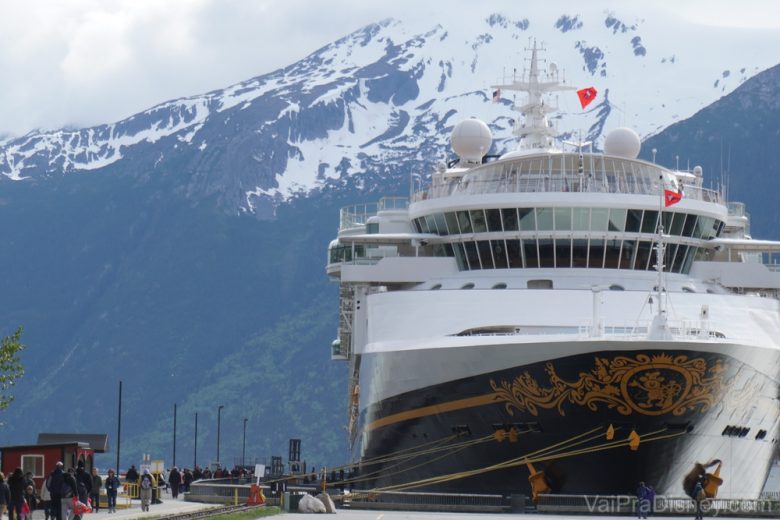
column 648, row 385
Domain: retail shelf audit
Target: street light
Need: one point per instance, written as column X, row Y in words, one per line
column 243, row 445
column 219, row 421
column 195, row 456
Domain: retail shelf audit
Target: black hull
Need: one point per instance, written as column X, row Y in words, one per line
column 678, row 404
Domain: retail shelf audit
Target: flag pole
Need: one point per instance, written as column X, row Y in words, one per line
column 660, row 246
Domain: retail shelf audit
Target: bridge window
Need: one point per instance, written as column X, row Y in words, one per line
column 677, row 224
column 617, row 219
column 643, row 253
column 484, row 254
column 513, row 251
column 628, row 254
column 544, row 219
column 649, row 222
column 596, row 254
column 478, row 223
column 509, row 216
column 612, row 254
column 527, row 218
column 546, row 252
column 633, row 220
column 530, row 253
column 465, row 222
column 581, row 219
column 562, row 253
column 599, row 218
column 563, row 219
column 579, row 252
column 452, row 223
column 689, row 226
column 493, row 220
column 499, row 254
column 472, row 256
column 441, row 224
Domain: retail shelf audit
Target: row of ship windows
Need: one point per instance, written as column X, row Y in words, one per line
column 567, row 253
column 567, row 219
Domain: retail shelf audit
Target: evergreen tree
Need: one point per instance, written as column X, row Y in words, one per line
column 11, row 368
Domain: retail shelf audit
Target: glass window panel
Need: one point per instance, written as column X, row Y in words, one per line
column 677, row 224
column 530, row 253
column 634, row 220
column 668, row 222
column 596, row 254
column 417, row 225
column 721, row 225
column 702, row 224
column 562, row 252
column 515, row 256
column 689, row 226
column 509, row 216
column 649, row 222
column 452, row 223
column 669, row 251
column 544, row 219
column 472, row 256
column 441, row 223
column 692, row 251
column 580, row 219
column 679, row 259
column 431, row 224
column 494, row 219
column 464, row 222
column 612, row 254
column 579, row 249
column 643, row 250
column 546, row 253
column 617, row 219
column 460, row 257
column 478, row 221
column 598, row 219
column 628, row 254
column 485, row 254
column 424, row 225
column 527, row 219
column 499, row 254
column 563, row 219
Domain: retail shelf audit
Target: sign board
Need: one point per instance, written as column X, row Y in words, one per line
column 259, row 472
column 157, row 466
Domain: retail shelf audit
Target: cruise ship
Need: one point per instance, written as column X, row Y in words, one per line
column 557, row 321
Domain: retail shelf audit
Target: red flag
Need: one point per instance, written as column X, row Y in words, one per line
column 671, row 198
column 586, row 95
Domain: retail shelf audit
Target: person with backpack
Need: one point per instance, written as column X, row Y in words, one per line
column 54, row 484
column 146, row 485
column 112, row 486
column 69, row 490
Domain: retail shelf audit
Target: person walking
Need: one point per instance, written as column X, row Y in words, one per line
column 94, row 494
column 641, row 501
column 189, row 478
column 146, row 490
column 17, row 485
column 55, row 484
column 112, row 486
column 174, row 479
column 698, row 497
column 45, row 495
column 5, row 496
column 70, row 489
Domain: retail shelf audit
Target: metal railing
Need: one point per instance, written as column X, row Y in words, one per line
column 358, row 214
column 562, row 173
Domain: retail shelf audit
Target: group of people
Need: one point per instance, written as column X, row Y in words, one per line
column 17, row 495
column 61, row 487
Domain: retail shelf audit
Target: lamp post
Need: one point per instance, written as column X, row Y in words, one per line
column 174, row 434
column 195, row 457
column 219, row 422
column 243, row 445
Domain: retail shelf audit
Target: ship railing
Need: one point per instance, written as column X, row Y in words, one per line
column 486, row 183
column 679, row 329
column 627, row 504
column 357, row 215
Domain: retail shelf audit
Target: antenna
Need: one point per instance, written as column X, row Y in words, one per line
column 654, row 152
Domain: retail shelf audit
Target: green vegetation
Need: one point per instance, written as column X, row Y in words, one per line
column 11, row 368
column 249, row 515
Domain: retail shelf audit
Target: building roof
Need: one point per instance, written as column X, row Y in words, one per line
column 96, row 441
column 83, row 445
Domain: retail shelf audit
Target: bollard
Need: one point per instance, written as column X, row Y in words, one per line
column 235, row 497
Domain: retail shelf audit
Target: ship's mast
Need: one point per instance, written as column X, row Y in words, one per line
column 533, row 129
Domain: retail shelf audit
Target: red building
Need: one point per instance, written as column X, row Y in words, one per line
column 41, row 458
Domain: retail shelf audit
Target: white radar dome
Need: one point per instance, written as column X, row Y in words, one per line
column 471, row 140
column 622, row 142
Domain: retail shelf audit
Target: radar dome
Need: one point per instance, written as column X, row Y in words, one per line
column 471, row 140
column 622, row 142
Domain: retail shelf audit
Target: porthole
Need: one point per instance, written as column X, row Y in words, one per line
column 499, row 286
column 616, row 287
column 688, row 289
column 436, row 287
column 468, row 286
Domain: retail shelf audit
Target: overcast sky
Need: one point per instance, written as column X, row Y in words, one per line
column 86, row 62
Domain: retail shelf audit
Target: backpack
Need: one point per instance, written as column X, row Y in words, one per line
column 146, row 483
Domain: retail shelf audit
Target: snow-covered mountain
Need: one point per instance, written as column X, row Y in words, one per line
column 382, row 100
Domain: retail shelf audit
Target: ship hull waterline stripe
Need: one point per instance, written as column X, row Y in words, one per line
column 434, row 409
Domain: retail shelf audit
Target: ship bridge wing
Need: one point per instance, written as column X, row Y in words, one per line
column 746, row 244
column 390, row 238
